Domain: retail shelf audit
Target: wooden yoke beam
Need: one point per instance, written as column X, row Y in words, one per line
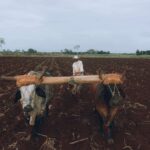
column 11, row 78
column 76, row 79
column 31, row 79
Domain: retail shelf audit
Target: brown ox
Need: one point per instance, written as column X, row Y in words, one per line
column 108, row 99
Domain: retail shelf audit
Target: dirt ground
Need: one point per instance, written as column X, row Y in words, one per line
column 74, row 118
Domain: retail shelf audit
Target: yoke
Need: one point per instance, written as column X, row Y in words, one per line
column 112, row 78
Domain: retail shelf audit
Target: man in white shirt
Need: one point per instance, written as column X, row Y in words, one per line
column 77, row 66
column 78, row 70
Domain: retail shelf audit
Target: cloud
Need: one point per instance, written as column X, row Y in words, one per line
column 120, row 25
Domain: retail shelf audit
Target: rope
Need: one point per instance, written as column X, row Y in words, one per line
column 114, row 90
column 72, row 81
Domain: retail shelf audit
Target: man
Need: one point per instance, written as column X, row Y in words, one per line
column 77, row 69
column 77, row 66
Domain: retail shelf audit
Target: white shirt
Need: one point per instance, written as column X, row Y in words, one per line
column 77, row 67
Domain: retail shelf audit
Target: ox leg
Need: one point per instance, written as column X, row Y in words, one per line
column 36, row 127
column 108, row 133
column 109, row 124
column 101, row 124
column 106, row 121
column 103, row 113
column 102, row 110
column 112, row 114
column 34, row 130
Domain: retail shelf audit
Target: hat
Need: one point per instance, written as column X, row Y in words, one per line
column 76, row 57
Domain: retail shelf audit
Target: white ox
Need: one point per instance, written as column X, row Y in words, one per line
column 34, row 100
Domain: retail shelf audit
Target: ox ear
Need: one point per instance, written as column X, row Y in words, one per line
column 40, row 92
column 17, row 96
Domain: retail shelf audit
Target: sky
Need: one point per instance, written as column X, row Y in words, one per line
column 118, row 26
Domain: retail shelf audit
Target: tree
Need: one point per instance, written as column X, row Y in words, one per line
column 2, row 42
column 76, row 47
column 91, row 51
column 67, row 51
column 31, row 51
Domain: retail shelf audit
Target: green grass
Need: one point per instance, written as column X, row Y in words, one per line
column 82, row 55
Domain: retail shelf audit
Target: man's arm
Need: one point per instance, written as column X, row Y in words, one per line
column 81, row 67
column 73, row 69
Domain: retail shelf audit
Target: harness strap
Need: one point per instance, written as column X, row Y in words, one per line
column 117, row 90
column 114, row 90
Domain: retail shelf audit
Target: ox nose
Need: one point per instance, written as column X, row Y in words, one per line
column 28, row 108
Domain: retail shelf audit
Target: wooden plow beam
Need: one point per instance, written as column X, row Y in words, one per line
column 21, row 80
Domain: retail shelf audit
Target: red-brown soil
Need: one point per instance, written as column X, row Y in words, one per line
column 74, row 118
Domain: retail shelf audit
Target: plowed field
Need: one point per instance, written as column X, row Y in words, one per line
column 74, row 118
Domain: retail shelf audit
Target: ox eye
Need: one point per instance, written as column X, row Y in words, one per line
column 40, row 92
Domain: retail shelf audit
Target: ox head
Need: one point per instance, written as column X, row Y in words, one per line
column 32, row 98
column 27, row 96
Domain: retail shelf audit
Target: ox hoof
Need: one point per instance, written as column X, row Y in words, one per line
column 110, row 141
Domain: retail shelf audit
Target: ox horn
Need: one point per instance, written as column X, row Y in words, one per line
column 44, row 69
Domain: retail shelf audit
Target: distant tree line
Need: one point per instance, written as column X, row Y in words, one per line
column 30, row 51
column 66, row 51
column 90, row 51
column 141, row 52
